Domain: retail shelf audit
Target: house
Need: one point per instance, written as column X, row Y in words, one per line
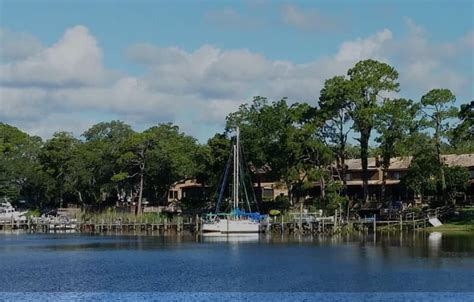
column 188, row 188
column 398, row 168
column 270, row 190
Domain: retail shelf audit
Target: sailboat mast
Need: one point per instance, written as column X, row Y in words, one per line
column 237, row 168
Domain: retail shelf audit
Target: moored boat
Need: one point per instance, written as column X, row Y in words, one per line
column 238, row 220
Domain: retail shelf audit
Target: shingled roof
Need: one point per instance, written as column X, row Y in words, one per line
column 402, row 163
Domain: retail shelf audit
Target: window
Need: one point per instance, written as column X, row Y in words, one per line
column 348, row 176
column 173, row 194
column 267, row 193
column 396, row 175
column 471, row 174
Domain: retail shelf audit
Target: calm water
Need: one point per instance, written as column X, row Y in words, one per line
column 411, row 267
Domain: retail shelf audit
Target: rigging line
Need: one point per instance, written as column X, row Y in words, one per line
column 244, row 160
column 223, row 182
column 245, row 189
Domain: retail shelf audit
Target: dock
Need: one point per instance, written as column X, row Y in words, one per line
column 300, row 223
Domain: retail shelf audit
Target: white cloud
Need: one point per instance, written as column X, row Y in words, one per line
column 66, row 86
column 74, row 60
column 370, row 47
column 424, row 64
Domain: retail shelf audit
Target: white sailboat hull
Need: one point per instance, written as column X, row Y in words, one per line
column 229, row 226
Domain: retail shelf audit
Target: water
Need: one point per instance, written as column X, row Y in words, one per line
column 410, row 267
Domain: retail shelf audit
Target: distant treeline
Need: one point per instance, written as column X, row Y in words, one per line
column 296, row 143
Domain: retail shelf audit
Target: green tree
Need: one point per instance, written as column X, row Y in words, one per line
column 420, row 178
column 368, row 80
column 56, row 158
column 100, row 154
column 335, row 107
column 457, row 180
column 394, row 121
column 154, row 159
column 18, row 162
column 438, row 110
column 462, row 136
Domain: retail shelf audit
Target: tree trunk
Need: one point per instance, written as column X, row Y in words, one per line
column 79, row 195
column 290, row 195
column 322, row 186
column 364, row 154
column 140, row 194
column 343, row 174
column 442, row 181
column 384, row 184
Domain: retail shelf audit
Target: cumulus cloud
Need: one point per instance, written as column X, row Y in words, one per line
column 74, row 60
column 66, row 86
column 425, row 64
column 373, row 47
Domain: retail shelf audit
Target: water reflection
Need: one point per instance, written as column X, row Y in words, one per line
column 415, row 261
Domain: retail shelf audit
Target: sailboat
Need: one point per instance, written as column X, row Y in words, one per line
column 238, row 221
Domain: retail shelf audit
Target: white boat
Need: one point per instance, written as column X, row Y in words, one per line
column 8, row 213
column 231, row 225
column 238, row 221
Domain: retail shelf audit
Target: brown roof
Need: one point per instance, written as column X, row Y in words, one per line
column 356, row 163
column 463, row 160
column 402, row 163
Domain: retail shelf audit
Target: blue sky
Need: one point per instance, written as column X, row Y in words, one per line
column 66, row 65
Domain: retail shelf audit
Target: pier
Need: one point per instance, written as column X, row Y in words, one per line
column 299, row 223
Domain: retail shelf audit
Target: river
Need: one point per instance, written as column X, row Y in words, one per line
column 387, row 267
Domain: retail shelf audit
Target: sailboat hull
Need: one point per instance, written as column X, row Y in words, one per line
column 229, row 226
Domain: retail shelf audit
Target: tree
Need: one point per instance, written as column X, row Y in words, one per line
column 100, row 155
column 218, row 148
column 263, row 134
column 56, row 159
column 152, row 160
column 462, row 136
column 420, row 178
column 21, row 176
column 133, row 161
column 394, row 121
column 438, row 110
column 457, row 180
column 367, row 81
column 335, row 107
column 283, row 141
column 173, row 156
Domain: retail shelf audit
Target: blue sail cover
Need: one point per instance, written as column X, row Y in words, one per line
column 252, row 215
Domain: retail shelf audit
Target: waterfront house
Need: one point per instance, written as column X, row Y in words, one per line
column 398, row 168
column 269, row 190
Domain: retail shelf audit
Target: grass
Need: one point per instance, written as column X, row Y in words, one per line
column 112, row 216
column 464, row 222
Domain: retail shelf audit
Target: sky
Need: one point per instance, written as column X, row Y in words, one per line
column 67, row 65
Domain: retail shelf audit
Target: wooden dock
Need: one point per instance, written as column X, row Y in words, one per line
column 299, row 224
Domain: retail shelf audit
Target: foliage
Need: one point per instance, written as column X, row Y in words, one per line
column 462, row 136
column 438, row 110
column 421, row 175
column 394, row 121
column 283, row 141
column 457, row 180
